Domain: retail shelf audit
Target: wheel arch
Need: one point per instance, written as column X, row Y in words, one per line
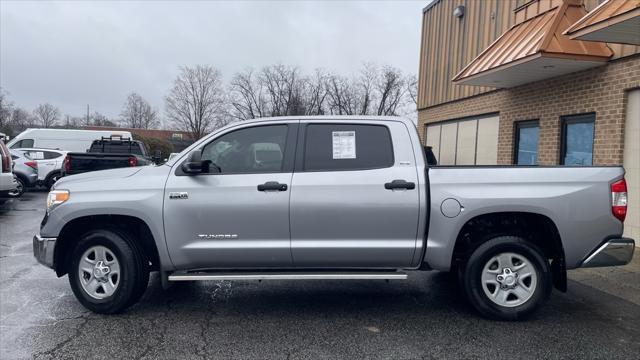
column 143, row 238
column 536, row 228
column 23, row 178
column 51, row 174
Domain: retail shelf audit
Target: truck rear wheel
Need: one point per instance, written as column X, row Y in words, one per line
column 507, row 278
column 107, row 274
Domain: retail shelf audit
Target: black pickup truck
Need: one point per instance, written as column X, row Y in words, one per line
column 107, row 153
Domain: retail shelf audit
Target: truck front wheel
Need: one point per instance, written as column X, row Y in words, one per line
column 507, row 278
column 107, row 274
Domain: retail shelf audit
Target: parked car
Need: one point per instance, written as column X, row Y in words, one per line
column 25, row 170
column 8, row 183
column 61, row 139
column 332, row 198
column 107, row 153
column 49, row 164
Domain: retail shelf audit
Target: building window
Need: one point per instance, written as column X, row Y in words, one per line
column 468, row 141
column 526, row 143
column 577, row 139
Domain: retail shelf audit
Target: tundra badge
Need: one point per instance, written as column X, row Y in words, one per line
column 178, row 195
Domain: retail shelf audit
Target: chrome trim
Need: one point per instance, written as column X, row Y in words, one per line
column 43, row 250
column 614, row 252
column 287, row 276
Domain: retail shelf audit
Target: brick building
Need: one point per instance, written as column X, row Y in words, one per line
column 180, row 140
column 535, row 82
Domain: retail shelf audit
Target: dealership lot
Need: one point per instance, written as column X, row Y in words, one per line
column 424, row 317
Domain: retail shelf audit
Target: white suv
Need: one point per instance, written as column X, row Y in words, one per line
column 49, row 164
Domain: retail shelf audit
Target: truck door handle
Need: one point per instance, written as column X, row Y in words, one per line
column 399, row 184
column 272, row 185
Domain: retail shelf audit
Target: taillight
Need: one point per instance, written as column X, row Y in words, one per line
column 133, row 161
column 32, row 164
column 6, row 162
column 66, row 164
column 619, row 199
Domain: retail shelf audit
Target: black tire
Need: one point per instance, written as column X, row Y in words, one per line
column 475, row 266
column 51, row 179
column 133, row 277
column 22, row 187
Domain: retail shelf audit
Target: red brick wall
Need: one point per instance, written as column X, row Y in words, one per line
column 160, row 134
column 600, row 90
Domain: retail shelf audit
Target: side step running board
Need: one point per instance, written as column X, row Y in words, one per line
column 287, row 276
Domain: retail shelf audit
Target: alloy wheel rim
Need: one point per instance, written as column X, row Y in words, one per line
column 509, row 279
column 99, row 272
column 18, row 190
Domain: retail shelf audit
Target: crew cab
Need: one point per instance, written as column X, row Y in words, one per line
column 107, row 153
column 332, row 197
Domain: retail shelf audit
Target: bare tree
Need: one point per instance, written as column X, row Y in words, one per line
column 247, row 96
column 343, row 97
column 21, row 119
column 412, row 89
column 281, row 83
column 137, row 113
column 196, row 102
column 315, row 93
column 5, row 109
column 47, row 115
column 391, row 89
column 98, row 119
column 72, row 122
column 365, row 83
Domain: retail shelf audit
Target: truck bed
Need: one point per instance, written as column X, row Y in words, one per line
column 576, row 199
column 83, row 162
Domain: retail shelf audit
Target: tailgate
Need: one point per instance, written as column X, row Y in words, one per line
column 92, row 162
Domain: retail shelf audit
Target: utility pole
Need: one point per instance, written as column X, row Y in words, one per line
column 87, row 121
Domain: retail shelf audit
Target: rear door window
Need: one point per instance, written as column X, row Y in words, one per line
column 339, row 147
column 51, row 155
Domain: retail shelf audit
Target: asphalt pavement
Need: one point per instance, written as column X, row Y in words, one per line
column 424, row 317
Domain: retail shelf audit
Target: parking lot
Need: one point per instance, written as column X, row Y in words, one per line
column 422, row 318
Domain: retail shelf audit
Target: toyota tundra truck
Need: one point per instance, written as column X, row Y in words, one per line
column 304, row 198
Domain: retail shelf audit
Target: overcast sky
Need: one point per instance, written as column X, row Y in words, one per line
column 76, row 53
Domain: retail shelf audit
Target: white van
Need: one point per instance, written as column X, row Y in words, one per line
column 61, row 139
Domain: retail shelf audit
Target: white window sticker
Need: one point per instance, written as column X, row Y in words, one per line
column 344, row 144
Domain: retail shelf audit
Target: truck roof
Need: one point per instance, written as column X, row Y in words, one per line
column 330, row 118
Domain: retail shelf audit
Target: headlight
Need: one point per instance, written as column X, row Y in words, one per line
column 56, row 197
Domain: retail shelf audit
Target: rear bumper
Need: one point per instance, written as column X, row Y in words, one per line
column 43, row 249
column 614, row 252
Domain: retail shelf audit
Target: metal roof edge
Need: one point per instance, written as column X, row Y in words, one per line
column 429, row 6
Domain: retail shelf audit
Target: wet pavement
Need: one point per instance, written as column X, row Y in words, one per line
column 424, row 317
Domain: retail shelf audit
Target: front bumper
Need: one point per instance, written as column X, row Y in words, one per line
column 614, row 252
column 43, row 249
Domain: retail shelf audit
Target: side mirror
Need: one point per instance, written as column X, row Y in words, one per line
column 194, row 164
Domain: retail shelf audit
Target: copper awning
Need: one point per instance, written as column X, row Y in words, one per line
column 533, row 50
column 612, row 21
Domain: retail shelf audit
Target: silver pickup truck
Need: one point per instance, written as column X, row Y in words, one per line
column 331, row 198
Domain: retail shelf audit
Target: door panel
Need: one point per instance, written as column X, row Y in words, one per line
column 345, row 218
column 223, row 220
column 242, row 227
